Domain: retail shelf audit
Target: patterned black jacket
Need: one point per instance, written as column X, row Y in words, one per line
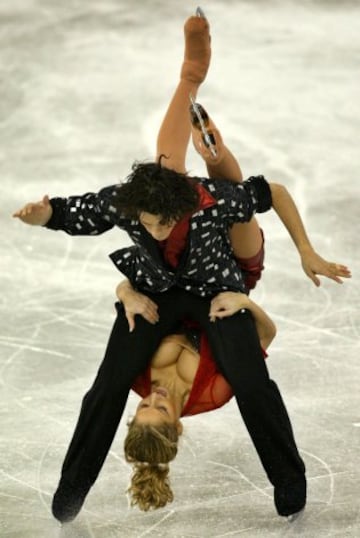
column 207, row 265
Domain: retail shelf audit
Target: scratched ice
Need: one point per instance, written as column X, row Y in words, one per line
column 84, row 86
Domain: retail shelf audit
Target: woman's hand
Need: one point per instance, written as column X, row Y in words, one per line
column 313, row 265
column 36, row 214
column 136, row 303
column 227, row 303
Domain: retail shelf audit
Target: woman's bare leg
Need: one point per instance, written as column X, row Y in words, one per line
column 174, row 133
column 246, row 239
column 175, row 130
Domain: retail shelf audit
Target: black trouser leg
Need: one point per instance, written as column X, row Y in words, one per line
column 258, row 398
column 237, row 352
column 236, row 349
column 127, row 355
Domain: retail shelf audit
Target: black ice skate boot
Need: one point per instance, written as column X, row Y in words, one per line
column 290, row 499
column 67, row 501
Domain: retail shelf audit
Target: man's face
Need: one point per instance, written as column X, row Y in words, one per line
column 152, row 224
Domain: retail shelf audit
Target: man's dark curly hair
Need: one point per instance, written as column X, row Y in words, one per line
column 157, row 190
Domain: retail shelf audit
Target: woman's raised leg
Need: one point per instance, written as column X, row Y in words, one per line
column 246, row 238
column 174, row 133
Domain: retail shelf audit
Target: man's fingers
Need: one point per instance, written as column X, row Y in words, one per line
column 20, row 213
column 29, row 209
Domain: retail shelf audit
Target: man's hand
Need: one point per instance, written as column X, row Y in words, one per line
column 36, row 214
column 227, row 303
column 136, row 303
column 313, row 265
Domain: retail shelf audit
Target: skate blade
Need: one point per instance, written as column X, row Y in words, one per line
column 296, row 516
column 206, row 136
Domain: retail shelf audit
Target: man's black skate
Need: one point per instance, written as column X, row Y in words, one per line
column 67, row 501
column 290, row 499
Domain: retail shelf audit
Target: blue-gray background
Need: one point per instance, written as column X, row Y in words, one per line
column 83, row 88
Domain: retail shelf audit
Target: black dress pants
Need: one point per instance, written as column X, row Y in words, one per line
column 236, row 350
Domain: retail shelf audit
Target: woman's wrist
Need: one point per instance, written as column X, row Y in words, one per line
column 123, row 289
column 305, row 249
column 244, row 301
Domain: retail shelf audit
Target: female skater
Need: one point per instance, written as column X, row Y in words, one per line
column 182, row 379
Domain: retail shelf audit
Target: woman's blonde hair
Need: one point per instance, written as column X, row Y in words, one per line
column 149, row 449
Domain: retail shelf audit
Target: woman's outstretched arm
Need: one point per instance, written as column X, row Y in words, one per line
column 312, row 263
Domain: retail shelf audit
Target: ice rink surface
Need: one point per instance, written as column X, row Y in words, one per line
column 84, row 85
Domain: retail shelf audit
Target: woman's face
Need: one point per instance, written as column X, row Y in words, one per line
column 152, row 224
column 156, row 408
